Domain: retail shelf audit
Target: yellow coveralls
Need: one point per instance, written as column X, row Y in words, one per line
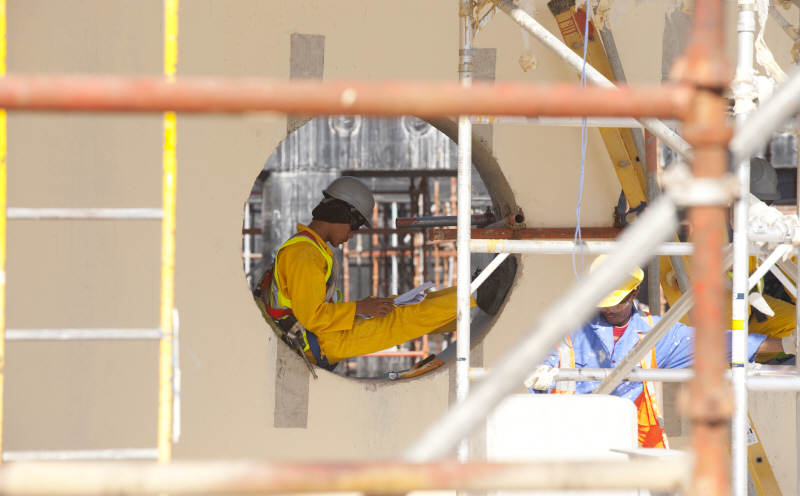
column 780, row 325
column 301, row 270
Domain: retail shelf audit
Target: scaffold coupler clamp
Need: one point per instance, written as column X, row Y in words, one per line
column 685, row 190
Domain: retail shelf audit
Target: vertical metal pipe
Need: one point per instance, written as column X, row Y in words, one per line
column 562, row 317
column 165, row 392
column 797, row 320
column 246, row 243
column 3, row 239
column 346, row 270
column 710, row 401
column 652, row 192
column 373, row 256
column 394, row 289
column 465, row 56
column 741, row 267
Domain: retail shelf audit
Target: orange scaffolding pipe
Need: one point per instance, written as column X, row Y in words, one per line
column 424, row 99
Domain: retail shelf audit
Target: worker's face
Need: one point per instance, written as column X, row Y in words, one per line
column 340, row 233
column 620, row 314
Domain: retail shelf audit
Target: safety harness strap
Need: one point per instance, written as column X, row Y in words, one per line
column 321, row 359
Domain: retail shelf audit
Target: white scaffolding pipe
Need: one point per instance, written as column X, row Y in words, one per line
column 559, row 247
column 746, row 28
column 657, row 375
column 643, row 347
column 571, row 311
column 773, row 383
column 787, row 283
column 673, row 315
column 176, row 376
column 464, row 221
column 619, row 122
column 246, row 243
column 564, row 247
column 485, row 273
column 555, row 45
column 251, row 477
column 783, row 104
column 767, row 264
column 85, row 213
column 797, row 311
column 80, row 455
column 80, row 334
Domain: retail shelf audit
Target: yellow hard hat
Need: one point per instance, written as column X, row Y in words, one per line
column 633, row 282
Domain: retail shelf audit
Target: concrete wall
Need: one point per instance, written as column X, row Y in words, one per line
column 70, row 274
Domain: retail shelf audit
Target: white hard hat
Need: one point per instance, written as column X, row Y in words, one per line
column 354, row 192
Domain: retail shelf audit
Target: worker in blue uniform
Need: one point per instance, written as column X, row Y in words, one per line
column 609, row 336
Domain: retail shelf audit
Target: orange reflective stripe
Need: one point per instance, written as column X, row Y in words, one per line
column 651, row 430
column 566, row 354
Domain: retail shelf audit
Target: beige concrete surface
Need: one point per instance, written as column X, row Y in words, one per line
column 63, row 274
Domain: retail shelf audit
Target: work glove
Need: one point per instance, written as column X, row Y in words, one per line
column 542, row 378
column 790, row 344
column 758, row 302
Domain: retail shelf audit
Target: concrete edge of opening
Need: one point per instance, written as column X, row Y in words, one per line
column 292, row 411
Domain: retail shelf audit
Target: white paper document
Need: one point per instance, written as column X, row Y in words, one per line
column 412, row 297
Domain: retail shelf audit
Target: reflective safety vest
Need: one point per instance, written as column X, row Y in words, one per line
column 278, row 306
column 649, row 418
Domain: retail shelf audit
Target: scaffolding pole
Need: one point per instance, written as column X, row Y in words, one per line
column 740, row 423
column 573, row 309
column 710, row 400
column 566, row 54
column 464, row 221
column 387, row 478
column 166, row 352
column 423, row 99
column 3, row 202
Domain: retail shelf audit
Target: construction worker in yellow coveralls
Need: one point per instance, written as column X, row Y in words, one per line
column 609, row 336
column 769, row 315
column 299, row 291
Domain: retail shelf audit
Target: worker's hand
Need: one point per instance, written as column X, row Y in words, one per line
column 542, row 378
column 790, row 344
column 375, row 307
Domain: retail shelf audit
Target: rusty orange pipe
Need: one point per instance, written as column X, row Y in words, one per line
column 424, row 99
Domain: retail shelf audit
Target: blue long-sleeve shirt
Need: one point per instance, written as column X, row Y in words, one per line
column 594, row 347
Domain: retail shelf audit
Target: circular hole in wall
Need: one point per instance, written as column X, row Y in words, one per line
column 410, row 165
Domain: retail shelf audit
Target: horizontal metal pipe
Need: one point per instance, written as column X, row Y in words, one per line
column 81, row 455
column 773, row 383
column 635, row 246
column 243, row 477
column 396, row 354
column 440, row 221
column 566, row 247
column 617, row 122
column 423, row 99
column 387, row 231
column 593, row 76
column 528, row 233
column 487, row 271
column 84, row 213
column 513, row 221
column 638, row 375
column 657, row 375
column 548, row 247
column 80, row 334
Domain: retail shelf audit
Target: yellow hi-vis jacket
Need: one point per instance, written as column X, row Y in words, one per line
column 301, row 274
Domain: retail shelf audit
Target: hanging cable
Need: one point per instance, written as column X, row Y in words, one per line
column 584, row 138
